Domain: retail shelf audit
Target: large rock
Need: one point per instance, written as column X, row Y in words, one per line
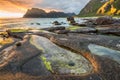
column 19, row 58
column 52, row 29
column 109, row 30
column 104, row 20
column 62, row 61
column 56, row 23
column 102, row 51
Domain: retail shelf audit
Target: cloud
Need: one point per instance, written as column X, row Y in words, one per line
column 61, row 5
column 15, row 5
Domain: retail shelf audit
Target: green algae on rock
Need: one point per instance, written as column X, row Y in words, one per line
column 18, row 30
column 61, row 58
column 47, row 63
column 73, row 28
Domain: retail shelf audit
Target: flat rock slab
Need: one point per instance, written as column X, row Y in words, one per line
column 21, row 57
column 62, row 61
column 109, row 29
column 84, row 30
column 81, row 44
column 35, row 67
column 81, row 41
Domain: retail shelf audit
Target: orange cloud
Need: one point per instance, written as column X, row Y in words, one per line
column 15, row 5
column 4, row 14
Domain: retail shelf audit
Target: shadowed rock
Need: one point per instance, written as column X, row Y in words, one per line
column 16, row 35
column 56, row 23
column 109, row 29
column 62, row 31
column 15, row 59
column 52, row 29
column 104, row 20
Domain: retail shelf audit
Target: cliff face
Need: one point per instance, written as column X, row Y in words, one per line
column 101, row 7
column 39, row 13
column 91, row 8
column 35, row 12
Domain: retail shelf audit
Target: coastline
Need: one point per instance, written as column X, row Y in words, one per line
column 59, row 46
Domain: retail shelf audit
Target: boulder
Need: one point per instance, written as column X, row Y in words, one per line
column 71, row 20
column 38, row 23
column 104, row 20
column 82, row 24
column 62, row 31
column 56, row 23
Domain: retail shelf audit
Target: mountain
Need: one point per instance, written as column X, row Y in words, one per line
column 101, row 7
column 111, row 7
column 40, row 13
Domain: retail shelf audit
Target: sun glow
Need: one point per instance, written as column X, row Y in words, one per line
column 49, row 9
column 4, row 14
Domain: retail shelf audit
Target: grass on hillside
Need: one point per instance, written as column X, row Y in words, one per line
column 92, row 9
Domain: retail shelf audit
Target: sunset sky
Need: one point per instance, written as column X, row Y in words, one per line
column 17, row 8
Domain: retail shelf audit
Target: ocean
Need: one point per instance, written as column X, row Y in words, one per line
column 34, row 22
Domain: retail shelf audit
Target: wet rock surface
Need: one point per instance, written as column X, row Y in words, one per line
column 91, row 52
column 97, row 49
column 23, row 59
column 56, row 23
column 85, row 30
column 52, row 29
column 61, row 59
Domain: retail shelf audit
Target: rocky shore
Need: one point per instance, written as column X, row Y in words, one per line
column 89, row 52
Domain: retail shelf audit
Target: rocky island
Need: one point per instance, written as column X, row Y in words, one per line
column 40, row 13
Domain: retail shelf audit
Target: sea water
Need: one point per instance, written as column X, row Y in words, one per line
column 34, row 22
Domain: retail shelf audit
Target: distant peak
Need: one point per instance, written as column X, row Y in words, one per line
column 41, row 13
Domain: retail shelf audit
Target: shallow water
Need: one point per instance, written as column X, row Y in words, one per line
column 105, row 52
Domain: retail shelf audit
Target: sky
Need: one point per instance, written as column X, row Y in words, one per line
column 17, row 8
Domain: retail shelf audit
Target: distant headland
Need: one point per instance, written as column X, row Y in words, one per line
column 40, row 13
